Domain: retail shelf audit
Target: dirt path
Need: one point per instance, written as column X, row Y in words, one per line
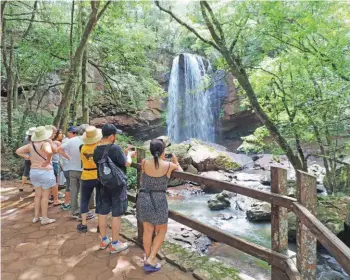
column 57, row 252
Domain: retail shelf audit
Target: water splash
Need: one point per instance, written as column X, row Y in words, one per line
column 190, row 113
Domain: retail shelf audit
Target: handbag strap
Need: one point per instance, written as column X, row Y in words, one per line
column 37, row 151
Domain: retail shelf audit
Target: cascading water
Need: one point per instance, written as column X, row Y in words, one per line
column 190, row 114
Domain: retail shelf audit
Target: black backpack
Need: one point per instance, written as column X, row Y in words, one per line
column 109, row 174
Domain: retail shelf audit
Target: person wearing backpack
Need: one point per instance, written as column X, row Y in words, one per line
column 91, row 139
column 111, row 163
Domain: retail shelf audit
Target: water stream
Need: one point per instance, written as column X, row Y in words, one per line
column 196, row 207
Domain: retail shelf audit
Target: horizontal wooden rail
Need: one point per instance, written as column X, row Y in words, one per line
column 273, row 198
column 271, row 257
column 331, row 242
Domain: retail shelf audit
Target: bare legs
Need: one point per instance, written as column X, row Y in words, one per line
column 152, row 248
column 24, row 181
column 37, row 201
column 41, row 202
column 44, row 202
column 116, row 223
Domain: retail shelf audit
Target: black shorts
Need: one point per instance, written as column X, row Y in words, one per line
column 110, row 202
column 26, row 170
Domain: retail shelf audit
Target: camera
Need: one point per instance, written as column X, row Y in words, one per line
column 132, row 149
column 168, row 156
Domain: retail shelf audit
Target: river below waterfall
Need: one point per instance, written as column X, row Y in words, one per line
column 196, row 207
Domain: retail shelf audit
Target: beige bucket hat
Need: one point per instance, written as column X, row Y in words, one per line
column 92, row 135
column 42, row 133
column 30, row 131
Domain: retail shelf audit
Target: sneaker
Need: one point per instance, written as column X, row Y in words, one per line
column 35, row 220
column 82, row 228
column 118, row 247
column 90, row 215
column 104, row 243
column 151, row 268
column 46, row 221
column 65, row 207
column 50, row 201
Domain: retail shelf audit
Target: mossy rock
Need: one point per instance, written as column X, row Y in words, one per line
column 181, row 151
column 332, row 211
column 224, row 162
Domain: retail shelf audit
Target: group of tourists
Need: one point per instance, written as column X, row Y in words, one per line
column 94, row 168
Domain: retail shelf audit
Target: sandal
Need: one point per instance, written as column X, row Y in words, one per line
column 151, row 268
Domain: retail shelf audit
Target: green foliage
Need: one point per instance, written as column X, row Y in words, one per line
column 254, row 143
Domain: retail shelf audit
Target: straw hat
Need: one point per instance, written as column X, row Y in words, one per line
column 30, row 131
column 91, row 135
column 42, row 133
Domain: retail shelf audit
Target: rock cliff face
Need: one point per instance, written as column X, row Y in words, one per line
column 231, row 123
column 144, row 125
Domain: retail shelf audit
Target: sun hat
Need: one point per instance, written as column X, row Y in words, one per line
column 42, row 133
column 30, row 131
column 91, row 135
column 110, row 129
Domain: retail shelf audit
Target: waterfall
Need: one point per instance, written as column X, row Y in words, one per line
column 189, row 113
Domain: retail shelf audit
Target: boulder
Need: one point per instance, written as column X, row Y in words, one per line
column 342, row 179
column 221, row 201
column 206, row 158
column 181, row 151
column 191, row 169
column 331, row 211
column 259, row 212
column 213, row 175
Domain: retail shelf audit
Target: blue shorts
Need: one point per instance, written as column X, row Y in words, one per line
column 42, row 178
column 55, row 168
column 110, row 201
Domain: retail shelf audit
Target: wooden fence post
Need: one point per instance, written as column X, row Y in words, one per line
column 279, row 221
column 306, row 242
column 140, row 154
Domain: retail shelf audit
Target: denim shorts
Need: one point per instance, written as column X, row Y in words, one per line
column 55, row 168
column 66, row 175
column 110, row 202
column 26, row 168
column 42, row 178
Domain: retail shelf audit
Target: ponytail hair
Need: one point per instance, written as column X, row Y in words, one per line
column 157, row 148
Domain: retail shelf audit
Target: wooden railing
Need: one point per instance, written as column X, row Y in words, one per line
column 309, row 228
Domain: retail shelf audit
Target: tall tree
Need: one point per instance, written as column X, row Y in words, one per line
column 234, row 61
column 67, row 96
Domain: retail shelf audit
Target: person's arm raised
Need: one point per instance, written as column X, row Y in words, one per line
column 175, row 165
column 23, row 152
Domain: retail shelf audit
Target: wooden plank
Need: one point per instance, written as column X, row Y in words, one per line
column 272, row 198
column 271, row 257
column 306, row 242
column 330, row 241
column 279, row 221
column 140, row 154
column 292, row 271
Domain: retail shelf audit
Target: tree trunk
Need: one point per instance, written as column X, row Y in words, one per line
column 84, row 94
column 67, row 91
column 9, row 73
column 15, row 92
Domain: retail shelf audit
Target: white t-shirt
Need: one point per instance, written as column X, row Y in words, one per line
column 71, row 147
